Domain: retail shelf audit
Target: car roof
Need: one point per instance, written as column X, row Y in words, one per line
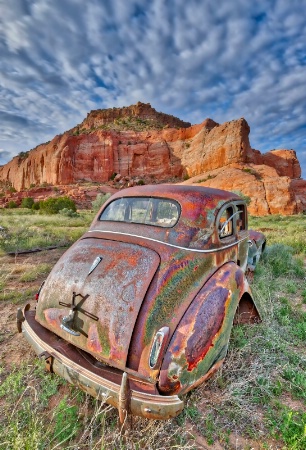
column 177, row 192
column 196, row 225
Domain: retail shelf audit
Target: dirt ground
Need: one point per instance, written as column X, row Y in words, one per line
column 13, row 348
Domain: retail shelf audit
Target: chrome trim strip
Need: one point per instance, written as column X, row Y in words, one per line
column 171, row 245
column 95, row 264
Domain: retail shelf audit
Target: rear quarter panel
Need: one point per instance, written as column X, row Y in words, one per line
column 201, row 338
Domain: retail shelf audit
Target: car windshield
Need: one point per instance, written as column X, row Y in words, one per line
column 145, row 210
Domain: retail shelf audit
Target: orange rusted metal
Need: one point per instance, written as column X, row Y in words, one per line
column 145, row 301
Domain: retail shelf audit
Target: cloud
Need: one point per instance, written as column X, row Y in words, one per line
column 4, row 156
column 192, row 59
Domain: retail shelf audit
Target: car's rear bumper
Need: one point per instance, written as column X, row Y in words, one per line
column 99, row 381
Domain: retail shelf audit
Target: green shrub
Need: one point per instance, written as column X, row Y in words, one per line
column 11, row 204
column 27, row 202
column 140, row 183
column 23, row 155
column 68, row 212
column 99, row 201
column 54, row 205
column 36, row 206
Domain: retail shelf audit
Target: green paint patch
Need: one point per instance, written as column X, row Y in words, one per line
column 183, row 282
column 103, row 333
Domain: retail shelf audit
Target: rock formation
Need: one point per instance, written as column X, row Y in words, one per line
column 138, row 142
column 142, row 112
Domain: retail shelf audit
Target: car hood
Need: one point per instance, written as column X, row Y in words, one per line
column 105, row 281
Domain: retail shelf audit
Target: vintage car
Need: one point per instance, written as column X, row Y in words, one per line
column 140, row 309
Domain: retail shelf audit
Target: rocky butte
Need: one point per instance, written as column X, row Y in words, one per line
column 139, row 142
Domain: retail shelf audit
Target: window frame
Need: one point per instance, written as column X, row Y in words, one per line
column 234, row 205
column 162, row 199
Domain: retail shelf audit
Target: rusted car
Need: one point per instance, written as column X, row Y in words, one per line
column 140, row 309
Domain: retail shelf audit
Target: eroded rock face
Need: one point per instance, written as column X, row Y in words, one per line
column 143, row 112
column 138, row 142
column 284, row 161
column 269, row 193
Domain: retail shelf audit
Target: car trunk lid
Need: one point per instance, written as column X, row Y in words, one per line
column 100, row 285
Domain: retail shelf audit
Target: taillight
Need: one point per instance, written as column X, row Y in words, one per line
column 158, row 347
column 38, row 292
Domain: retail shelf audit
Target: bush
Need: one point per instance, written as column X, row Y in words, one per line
column 54, row 205
column 99, row 201
column 23, row 155
column 36, row 206
column 27, row 202
column 68, row 213
column 11, row 204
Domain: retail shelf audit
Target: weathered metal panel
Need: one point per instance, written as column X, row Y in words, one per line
column 201, row 338
column 174, row 288
column 107, row 297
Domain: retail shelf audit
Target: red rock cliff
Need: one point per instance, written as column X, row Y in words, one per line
column 137, row 141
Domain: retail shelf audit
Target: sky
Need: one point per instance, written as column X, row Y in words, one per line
column 194, row 59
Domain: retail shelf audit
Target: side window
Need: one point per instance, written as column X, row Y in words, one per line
column 225, row 226
column 241, row 218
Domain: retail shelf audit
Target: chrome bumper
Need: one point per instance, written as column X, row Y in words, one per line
column 72, row 369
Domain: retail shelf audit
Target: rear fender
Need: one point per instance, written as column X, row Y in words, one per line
column 257, row 243
column 200, row 341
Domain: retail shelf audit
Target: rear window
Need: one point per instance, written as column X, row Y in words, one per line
column 149, row 211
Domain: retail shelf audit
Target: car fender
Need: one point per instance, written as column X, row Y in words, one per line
column 200, row 341
column 257, row 243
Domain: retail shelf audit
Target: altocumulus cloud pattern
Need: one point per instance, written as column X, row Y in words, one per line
column 195, row 59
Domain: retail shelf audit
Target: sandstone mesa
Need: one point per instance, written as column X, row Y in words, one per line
column 139, row 143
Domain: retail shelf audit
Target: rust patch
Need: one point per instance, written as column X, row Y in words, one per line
column 53, row 316
column 93, row 340
column 208, row 322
